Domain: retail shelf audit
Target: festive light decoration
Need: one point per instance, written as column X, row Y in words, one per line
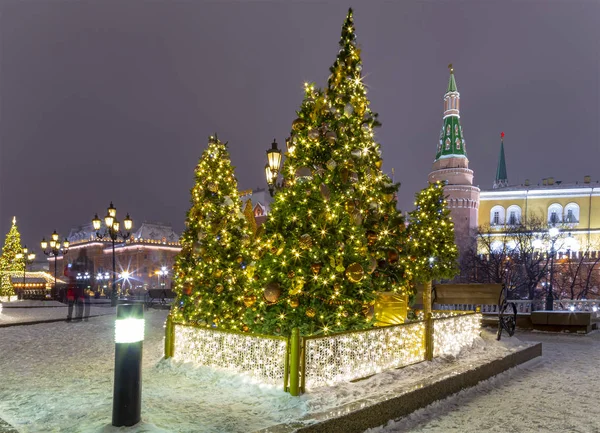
column 258, row 357
column 431, row 244
column 8, row 260
column 349, row 356
column 212, row 270
column 452, row 334
column 315, row 243
column 328, row 359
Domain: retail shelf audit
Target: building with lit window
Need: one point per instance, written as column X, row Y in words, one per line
column 149, row 249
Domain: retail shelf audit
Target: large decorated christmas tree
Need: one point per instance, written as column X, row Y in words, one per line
column 431, row 236
column 334, row 237
column 8, row 261
column 212, row 268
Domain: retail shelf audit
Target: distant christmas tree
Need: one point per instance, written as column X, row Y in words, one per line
column 212, row 268
column 334, row 223
column 8, row 261
column 431, row 236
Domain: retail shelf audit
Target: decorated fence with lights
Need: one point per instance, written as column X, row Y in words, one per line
column 320, row 360
column 354, row 355
column 262, row 358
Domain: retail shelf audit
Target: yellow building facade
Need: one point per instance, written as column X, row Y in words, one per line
column 573, row 208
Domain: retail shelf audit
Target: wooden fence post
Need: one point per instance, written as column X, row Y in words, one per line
column 295, row 362
column 169, row 338
column 428, row 321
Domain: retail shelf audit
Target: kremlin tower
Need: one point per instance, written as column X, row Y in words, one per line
column 452, row 167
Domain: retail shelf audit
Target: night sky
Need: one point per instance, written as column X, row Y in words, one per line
column 103, row 100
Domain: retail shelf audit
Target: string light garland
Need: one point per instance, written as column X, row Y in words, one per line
column 259, row 358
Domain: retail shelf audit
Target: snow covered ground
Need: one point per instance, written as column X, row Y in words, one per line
column 558, row 392
column 58, row 377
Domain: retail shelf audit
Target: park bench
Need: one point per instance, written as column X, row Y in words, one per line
column 472, row 297
column 159, row 295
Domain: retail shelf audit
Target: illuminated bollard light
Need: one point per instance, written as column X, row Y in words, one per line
column 129, row 340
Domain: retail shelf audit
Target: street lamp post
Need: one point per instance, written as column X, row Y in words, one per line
column 27, row 258
column 53, row 248
column 553, row 233
column 163, row 274
column 113, row 233
column 274, row 165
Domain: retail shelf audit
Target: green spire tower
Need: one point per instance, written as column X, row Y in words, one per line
column 452, row 143
column 451, row 167
column 501, row 176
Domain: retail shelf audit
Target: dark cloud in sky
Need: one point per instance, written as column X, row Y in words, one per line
column 103, row 100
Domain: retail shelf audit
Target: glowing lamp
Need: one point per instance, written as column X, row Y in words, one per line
column 290, row 145
column 537, row 243
column 129, row 330
column 25, row 250
column 31, row 257
column 52, row 244
column 44, row 244
column 111, row 210
column 274, row 157
column 66, row 244
column 96, row 222
column 108, row 220
column 19, row 256
column 116, row 225
column 127, row 222
column 269, row 175
column 553, row 232
column 54, row 236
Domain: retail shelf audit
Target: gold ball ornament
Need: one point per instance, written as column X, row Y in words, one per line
column 298, row 124
column 294, row 302
column 316, row 268
column 372, row 265
column 218, row 272
column 212, row 187
column 393, row 256
column 331, row 137
column 310, row 312
column 219, row 288
column 378, row 163
column 187, row 289
column 349, row 206
column 245, row 328
column 313, row 134
column 249, row 300
column 357, row 218
column 306, row 241
column 272, row 292
column 239, row 259
column 291, row 274
column 355, row 272
column 371, row 238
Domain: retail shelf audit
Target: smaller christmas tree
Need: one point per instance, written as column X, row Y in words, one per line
column 8, row 261
column 431, row 236
column 213, row 266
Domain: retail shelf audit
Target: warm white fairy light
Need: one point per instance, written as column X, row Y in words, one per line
column 451, row 334
column 341, row 358
column 262, row 359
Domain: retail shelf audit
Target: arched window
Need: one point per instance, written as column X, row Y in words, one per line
column 555, row 212
column 497, row 216
column 571, row 214
column 513, row 215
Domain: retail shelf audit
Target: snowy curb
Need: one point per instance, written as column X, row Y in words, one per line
column 361, row 415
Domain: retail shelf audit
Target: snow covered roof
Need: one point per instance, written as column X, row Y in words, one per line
column 148, row 231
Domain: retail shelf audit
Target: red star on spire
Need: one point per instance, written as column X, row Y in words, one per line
column 502, row 135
